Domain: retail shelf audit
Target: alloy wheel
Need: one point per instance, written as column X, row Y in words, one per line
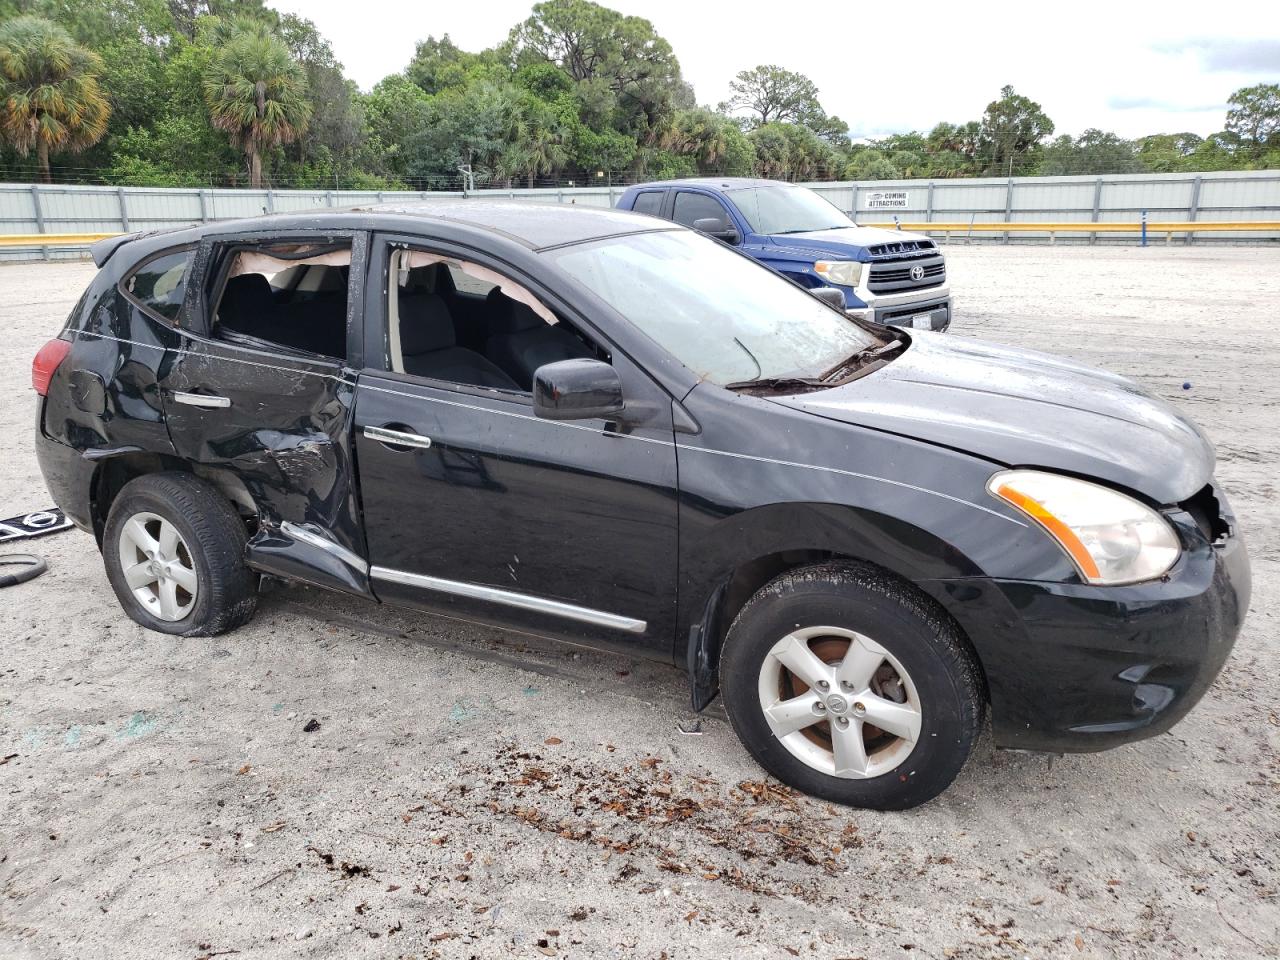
column 839, row 702
column 158, row 566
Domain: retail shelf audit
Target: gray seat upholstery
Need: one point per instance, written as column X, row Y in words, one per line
column 249, row 306
column 520, row 341
column 429, row 347
column 246, row 300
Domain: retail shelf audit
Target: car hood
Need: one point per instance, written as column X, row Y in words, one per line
column 1025, row 409
column 849, row 242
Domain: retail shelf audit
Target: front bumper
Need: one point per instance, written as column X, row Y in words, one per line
column 930, row 313
column 1077, row 668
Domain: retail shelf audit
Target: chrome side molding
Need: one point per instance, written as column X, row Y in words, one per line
column 309, row 536
column 510, row 598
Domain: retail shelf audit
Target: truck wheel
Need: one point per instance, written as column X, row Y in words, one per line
column 847, row 684
column 174, row 552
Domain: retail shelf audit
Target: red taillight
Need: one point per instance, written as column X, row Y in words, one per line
column 46, row 363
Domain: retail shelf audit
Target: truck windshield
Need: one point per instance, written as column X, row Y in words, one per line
column 783, row 209
column 724, row 316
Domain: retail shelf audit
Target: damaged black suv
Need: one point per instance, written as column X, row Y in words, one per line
column 609, row 429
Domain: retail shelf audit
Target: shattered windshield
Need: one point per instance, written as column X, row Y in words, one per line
column 783, row 209
column 722, row 315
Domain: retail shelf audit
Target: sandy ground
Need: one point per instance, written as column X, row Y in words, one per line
column 473, row 794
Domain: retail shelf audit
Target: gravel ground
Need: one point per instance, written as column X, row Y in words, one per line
column 476, row 794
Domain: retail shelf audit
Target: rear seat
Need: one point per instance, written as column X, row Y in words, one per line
column 318, row 326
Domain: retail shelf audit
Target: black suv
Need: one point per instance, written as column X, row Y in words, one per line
column 592, row 425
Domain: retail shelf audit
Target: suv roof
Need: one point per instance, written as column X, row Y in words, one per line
column 725, row 183
column 535, row 225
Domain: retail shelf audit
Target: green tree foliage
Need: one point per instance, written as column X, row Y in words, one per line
column 256, row 93
column 50, row 97
column 1094, row 152
column 770, row 94
column 1012, row 128
column 1254, row 117
column 576, row 93
column 628, row 73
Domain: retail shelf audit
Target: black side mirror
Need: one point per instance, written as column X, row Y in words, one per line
column 830, row 296
column 715, row 227
column 576, row 390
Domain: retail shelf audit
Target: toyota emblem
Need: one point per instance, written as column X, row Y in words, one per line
column 917, row 273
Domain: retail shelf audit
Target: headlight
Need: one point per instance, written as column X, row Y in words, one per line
column 846, row 273
column 1111, row 538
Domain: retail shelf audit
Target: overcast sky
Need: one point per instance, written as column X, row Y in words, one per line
column 1134, row 68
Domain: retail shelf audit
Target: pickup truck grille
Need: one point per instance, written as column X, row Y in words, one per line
column 899, row 249
column 912, row 273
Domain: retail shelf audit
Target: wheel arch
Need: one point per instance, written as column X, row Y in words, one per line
column 816, row 533
column 112, row 473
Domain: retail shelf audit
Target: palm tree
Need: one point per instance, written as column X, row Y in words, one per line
column 544, row 153
column 49, row 93
column 257, row 93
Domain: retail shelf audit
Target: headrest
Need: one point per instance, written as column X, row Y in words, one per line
column 247, row 295
column 510, row 316
column 425, row 324
column 433, row 278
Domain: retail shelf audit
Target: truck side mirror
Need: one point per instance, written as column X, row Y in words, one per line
column 715, row 227
column 576, row 390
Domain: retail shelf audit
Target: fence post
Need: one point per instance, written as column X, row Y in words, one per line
column 35, row 201
column 124, row 210
column 1008, row 206
column 853, row 211
column 1194, row 210
column 928, row 205
column 328, row 198
column 1097, row 208
column 611, row 197
column 204, row 206
column 271, row 200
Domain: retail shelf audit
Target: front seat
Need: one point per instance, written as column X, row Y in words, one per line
column 520, row 341
column 429, row 346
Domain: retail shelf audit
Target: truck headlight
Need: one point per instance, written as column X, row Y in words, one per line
column 845, row 273
column 1111, row 538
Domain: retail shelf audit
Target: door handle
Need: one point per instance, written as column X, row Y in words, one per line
column 201, row 399
column 397, row 438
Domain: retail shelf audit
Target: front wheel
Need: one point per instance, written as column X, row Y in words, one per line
column 848, row 684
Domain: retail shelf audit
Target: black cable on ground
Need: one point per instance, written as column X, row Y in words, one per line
column 29, row 566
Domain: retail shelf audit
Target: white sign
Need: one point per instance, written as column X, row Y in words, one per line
column 887, row 200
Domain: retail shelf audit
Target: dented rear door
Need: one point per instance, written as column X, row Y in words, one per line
column 274, row 426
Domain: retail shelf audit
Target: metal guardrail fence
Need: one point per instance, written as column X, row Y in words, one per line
column 1232, row 205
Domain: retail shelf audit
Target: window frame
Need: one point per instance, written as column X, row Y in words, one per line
column 377, row 346
column 214, row 257
column 725, row 215
column 661, row 194
column 192, row 250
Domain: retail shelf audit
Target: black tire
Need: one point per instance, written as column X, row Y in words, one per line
column 215, row 539
column 900, row 619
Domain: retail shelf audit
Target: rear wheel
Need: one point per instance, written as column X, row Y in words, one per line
column 174, row 552
column 848, row 684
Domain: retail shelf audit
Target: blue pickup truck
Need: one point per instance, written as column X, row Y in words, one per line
column 886, row 276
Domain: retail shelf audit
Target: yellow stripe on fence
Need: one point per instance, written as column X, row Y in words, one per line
column 52, row 239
